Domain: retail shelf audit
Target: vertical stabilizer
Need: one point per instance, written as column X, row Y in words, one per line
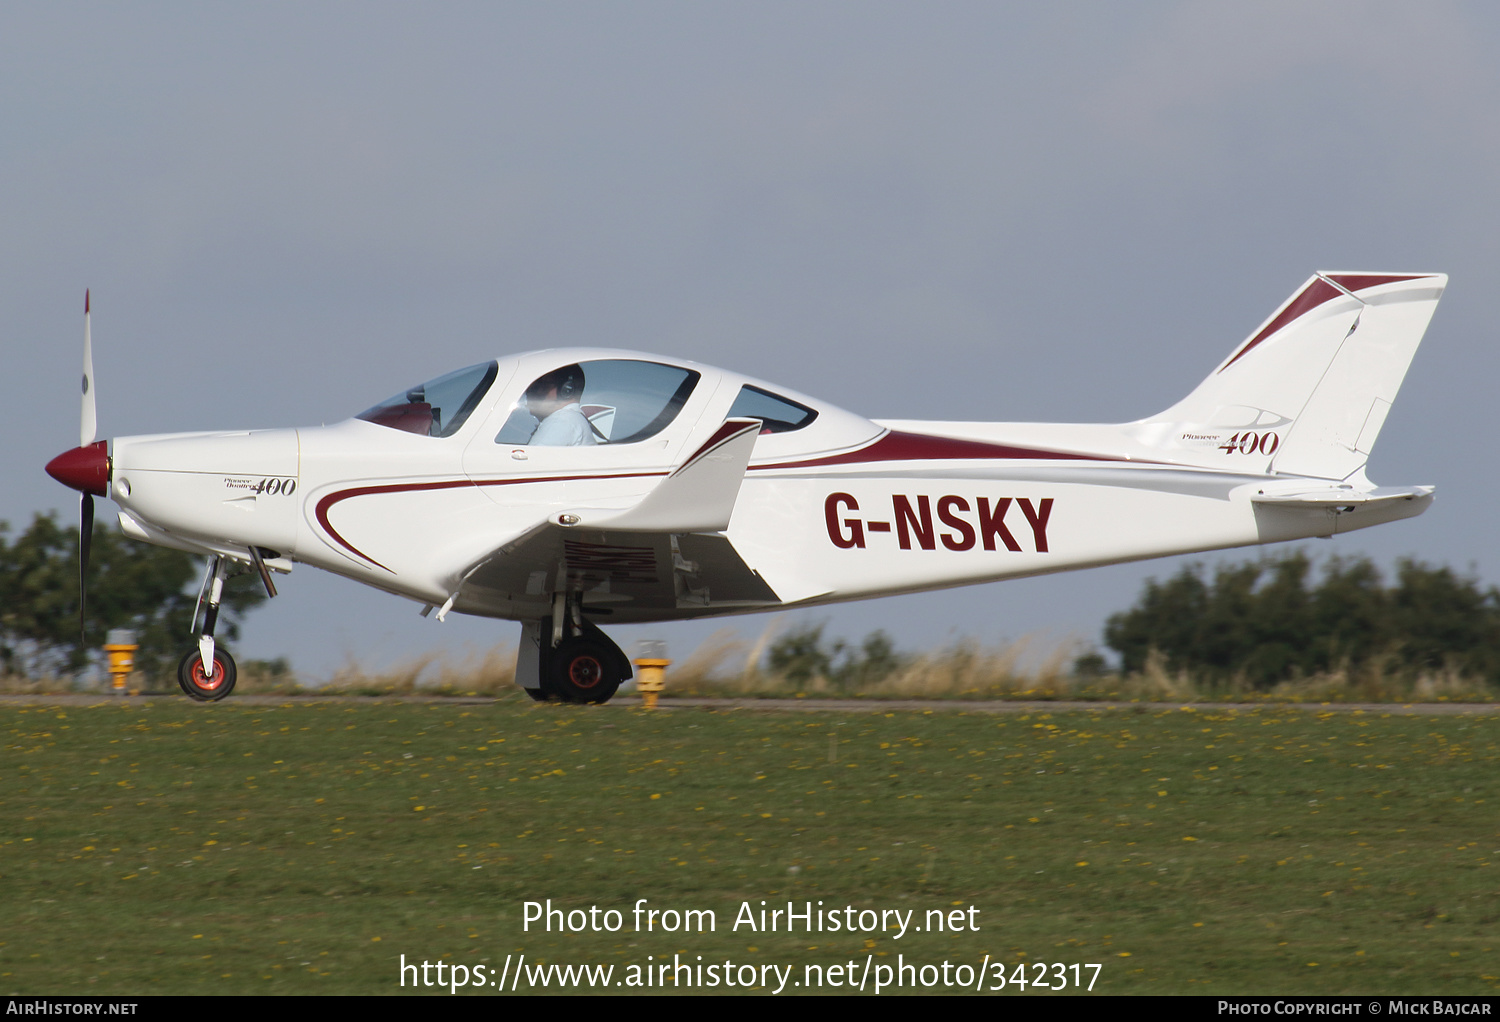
column 1307, row 392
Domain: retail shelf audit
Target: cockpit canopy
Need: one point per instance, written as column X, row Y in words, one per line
column 597, row 397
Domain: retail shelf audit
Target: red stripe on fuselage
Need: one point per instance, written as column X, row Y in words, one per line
column 326, row 503
column 894, row 446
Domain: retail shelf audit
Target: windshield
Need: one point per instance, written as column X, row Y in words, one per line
column 437, row 407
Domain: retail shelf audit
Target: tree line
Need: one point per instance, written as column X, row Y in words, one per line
column 149, row 589
column 1273, row 619
column 1257, row 622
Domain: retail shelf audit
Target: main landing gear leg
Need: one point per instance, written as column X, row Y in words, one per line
column 207, row 673
column 566, row 657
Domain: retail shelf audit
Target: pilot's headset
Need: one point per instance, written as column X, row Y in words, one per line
column 568, row 380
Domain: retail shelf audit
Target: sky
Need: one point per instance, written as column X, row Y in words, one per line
column 1064, row 212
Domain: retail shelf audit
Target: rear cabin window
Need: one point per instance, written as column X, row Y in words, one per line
column 777, row 414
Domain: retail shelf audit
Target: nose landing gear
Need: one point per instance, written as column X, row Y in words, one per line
column 207, row 673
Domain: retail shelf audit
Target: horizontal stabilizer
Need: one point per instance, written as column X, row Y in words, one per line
column 1285, row 514
column 1343, row 496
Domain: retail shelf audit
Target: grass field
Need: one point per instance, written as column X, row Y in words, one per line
column 174, row 848
column 728, row 665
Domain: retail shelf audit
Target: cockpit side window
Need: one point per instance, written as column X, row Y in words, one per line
column 777, row 414
column 438, row 407
column 608, row 401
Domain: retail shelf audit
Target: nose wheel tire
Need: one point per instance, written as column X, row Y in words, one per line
column 200, row 686
column 583, row 672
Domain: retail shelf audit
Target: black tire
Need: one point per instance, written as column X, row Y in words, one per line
column 582, row 671
column 198, row 686
column 538, row 695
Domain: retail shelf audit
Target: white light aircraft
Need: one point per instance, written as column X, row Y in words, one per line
column 567, row 487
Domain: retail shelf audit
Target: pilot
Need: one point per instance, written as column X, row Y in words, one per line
column 553, row 400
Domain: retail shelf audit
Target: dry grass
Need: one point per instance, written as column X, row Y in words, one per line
column 488, row 672
column 484, row 672
column 15, row 685
column 728, row 665
column 1373, row 682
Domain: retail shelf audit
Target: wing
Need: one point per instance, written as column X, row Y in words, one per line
column 663, row 553
column 625, row 573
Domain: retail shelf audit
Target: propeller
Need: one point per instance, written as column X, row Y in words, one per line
column 88, row 424
column 85, row 541
column 88, row 428
column 85, row 468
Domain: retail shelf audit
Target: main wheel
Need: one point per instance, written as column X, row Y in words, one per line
column 200, row 686
column 581, row 671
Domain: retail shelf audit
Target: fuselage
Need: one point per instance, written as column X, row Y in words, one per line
column 832, row 506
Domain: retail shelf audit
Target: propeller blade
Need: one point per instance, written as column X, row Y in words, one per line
column 88, row 426
column 85, row 541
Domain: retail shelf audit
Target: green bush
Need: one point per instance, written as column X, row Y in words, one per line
column 801, row 656
column 1264, row 622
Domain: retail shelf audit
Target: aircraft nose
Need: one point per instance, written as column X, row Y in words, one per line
column 85, row 469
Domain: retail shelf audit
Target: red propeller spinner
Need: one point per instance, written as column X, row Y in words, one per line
column 85, row 469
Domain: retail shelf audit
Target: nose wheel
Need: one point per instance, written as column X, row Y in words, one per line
column 199, row 684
